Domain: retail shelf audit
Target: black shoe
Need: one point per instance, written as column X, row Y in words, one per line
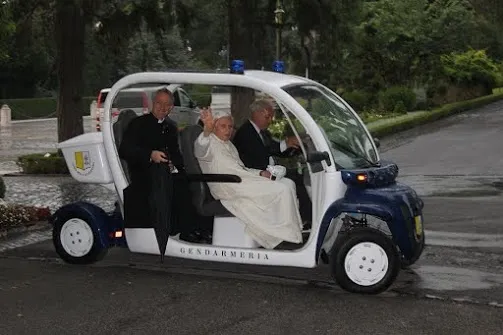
column 190, row 237
column 288, row 246
column 204, row 236
column 196, row 237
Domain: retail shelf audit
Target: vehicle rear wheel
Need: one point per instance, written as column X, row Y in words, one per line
column 365, row 262
column 75, row 241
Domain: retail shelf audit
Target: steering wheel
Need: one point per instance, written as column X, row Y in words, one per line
column 291, row 152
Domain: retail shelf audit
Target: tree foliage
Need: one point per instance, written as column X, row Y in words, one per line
column 470, row 68
column 73, row 48
column 7, row 29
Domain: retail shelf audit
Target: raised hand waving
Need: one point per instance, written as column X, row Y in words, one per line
column 207, row 119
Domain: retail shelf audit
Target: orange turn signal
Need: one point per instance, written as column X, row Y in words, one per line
column 361, row 177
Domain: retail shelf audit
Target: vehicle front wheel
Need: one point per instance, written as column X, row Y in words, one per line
column 365, row 261
column 75, row 241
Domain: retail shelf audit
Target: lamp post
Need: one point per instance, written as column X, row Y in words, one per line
column 278, row 20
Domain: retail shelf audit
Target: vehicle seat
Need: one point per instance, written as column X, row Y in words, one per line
column 204, row 202
column 119, row 127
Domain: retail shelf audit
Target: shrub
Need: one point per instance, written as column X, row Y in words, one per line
column 13, row 215
column 359, row 100
column 280, row 127
column 470, row 68
column 499, row 76
column 400, row 108
column 389, row 98
column 54, row 163
column 2, row 188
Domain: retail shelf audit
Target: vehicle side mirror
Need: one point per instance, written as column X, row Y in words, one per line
column 377, row 142
column 193, row 104
column 318, row 156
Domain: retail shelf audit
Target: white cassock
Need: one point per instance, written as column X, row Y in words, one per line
column 269, row 209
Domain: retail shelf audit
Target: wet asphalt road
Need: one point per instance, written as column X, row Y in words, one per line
column 53, row 299
column 456, row 288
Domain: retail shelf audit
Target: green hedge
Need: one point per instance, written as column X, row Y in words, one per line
column 397, row 99
column 395, row 125
column 39, row 164
column 23, row 109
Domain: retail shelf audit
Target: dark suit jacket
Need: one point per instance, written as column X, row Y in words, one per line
column 251, row 148
column 143, row 135
column 147, row 200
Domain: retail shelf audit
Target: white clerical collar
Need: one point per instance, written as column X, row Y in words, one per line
column 161, row 121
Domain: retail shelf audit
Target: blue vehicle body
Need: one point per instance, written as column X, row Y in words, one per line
column 103, row 223
column 378, row 195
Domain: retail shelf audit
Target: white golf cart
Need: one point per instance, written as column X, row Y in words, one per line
column 365, row 224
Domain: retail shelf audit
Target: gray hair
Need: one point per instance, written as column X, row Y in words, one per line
column 165, row 90
column 260, row 104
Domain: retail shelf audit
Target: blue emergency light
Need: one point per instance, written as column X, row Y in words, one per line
column 238, row 66
column 278, row 66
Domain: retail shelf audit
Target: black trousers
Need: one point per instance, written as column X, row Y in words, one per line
column 305, row 204
column 185, row 217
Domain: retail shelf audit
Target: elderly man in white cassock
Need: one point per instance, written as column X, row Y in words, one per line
column 267, row 207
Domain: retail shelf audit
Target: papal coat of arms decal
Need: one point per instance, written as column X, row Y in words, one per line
column 83, row 163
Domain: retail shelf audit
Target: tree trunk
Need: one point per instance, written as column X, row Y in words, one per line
column 70, row 33
column 241, row 16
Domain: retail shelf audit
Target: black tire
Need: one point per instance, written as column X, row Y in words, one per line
column 96, row 252
column 343, row 246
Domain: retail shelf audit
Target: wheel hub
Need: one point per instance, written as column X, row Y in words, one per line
column 76, row 237
column 366, row 263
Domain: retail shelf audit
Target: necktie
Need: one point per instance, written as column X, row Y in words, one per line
column 265, row 137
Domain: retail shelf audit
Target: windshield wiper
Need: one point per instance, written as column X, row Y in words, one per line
column 354, row 153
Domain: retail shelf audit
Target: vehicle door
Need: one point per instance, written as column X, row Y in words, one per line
column 313, row 173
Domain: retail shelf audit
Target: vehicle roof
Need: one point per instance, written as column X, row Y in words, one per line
column 270, row 77
column 143, row 88
column 276, row 78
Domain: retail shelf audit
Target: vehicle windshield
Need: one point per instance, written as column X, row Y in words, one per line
column 351, row 147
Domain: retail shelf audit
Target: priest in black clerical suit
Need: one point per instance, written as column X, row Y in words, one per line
column 153, row 139
column 256, row 148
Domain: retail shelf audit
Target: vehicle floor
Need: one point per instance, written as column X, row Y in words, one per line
column 282, row 246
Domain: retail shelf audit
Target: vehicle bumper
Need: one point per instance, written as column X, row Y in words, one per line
column 402, row 209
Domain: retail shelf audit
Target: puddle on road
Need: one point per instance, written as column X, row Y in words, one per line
column 463, row 240
column 468, row 193
column 454, row 186
column 440, row 278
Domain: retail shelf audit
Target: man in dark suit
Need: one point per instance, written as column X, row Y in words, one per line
column 256, row 148
column 153, row 139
